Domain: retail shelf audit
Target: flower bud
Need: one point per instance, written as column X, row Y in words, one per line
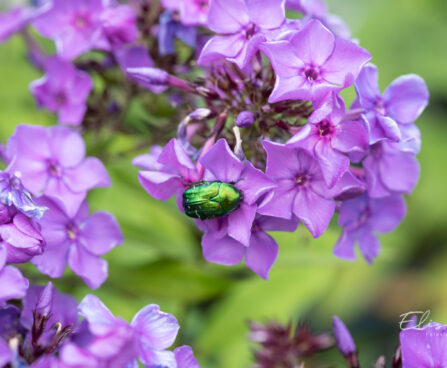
column 345, row 343
column 245, row 119
column 153, row 76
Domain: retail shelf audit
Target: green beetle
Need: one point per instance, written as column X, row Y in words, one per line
column 211, row 199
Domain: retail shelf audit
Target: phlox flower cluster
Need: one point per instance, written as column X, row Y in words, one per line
column 276, row 128
column 51, row 329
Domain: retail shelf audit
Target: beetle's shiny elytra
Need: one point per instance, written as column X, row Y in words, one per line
column 211, row 199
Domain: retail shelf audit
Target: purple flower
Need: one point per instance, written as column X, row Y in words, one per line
column 119, row 25
column 261, row 252
column 75, row 26
column 64, row 90
column 330, row 138
column 242, row 25
column 223, row 165
column 345, row 343
column 174, row 171
column 148, row 336
column 301, row 191
column 362, row 218
column 245, row 119
column 20, row 239
column 313, row 63
column 149, row 161
column 401, row 104
column 12, row 284
column 55, row 164
column 170, row 29
column 192, row 12
column 13, row 21
column 47, row 301
column 185, row 358
column 78, row 240
column 13, row 193
column 136, row 57
column 424, row 347
column 388, row 170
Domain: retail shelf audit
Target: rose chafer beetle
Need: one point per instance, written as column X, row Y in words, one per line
column 211, row 199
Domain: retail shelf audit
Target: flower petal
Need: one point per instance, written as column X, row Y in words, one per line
column 225, row 251
column 240, row 223
column 13, row 284
column 406, row 98
column 156, row 329
column 185, row 357
column 227, row 16
column 254, row 183
column 222, row 162
column 266, row 14
column 333, row 163
column 313, row 211
column 100, row 233
column 89, row 267
column 160, row 185
column 261, row 254
column 345, row 246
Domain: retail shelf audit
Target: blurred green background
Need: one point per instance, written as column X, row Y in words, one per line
column 160, row 261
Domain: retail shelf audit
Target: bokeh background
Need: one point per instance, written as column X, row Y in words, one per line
column 160, row 261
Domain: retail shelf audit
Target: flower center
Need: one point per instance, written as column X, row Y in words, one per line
column 311, row 73
column 202, row 4
column 325, row 128
column 302, row 179
column 72, row 231
column 55, row 169
column 380, row 107
column 61, row 98
column 81, row 21
column 250, row 30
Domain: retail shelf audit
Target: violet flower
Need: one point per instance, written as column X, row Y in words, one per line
column 176, row 170
column 20, row 239
column 6, row 354
column 47, row 301
column 390, row 170
column 192, row 12
column 223, row 165
column 148, row 336
column 13, row 193
column 401, row 104
column 64, row 90
column 345, row 343
column 78, row 240
column 75, row 26
column 330, row 139
column 261, row 252
column 313, row 63
column 13, row 21
column 12, row 284
column 55, row 164
column 185, row 358
column 170, row 29
column 362, row 218
column 119, row 25
column 135, row 56
column 424, row 347
column 242, row 26
column 301, row 191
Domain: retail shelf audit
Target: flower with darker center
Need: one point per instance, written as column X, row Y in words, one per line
column 250, row 30
column 311, row 73
column 55, row 169
column 202, row 4
column 81, row 21
column 302, row 179
column 72, row 231
column 380, row 107
column 60, row 98
column 325, row 128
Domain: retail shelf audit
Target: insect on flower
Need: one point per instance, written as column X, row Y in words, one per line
column 211, row 199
